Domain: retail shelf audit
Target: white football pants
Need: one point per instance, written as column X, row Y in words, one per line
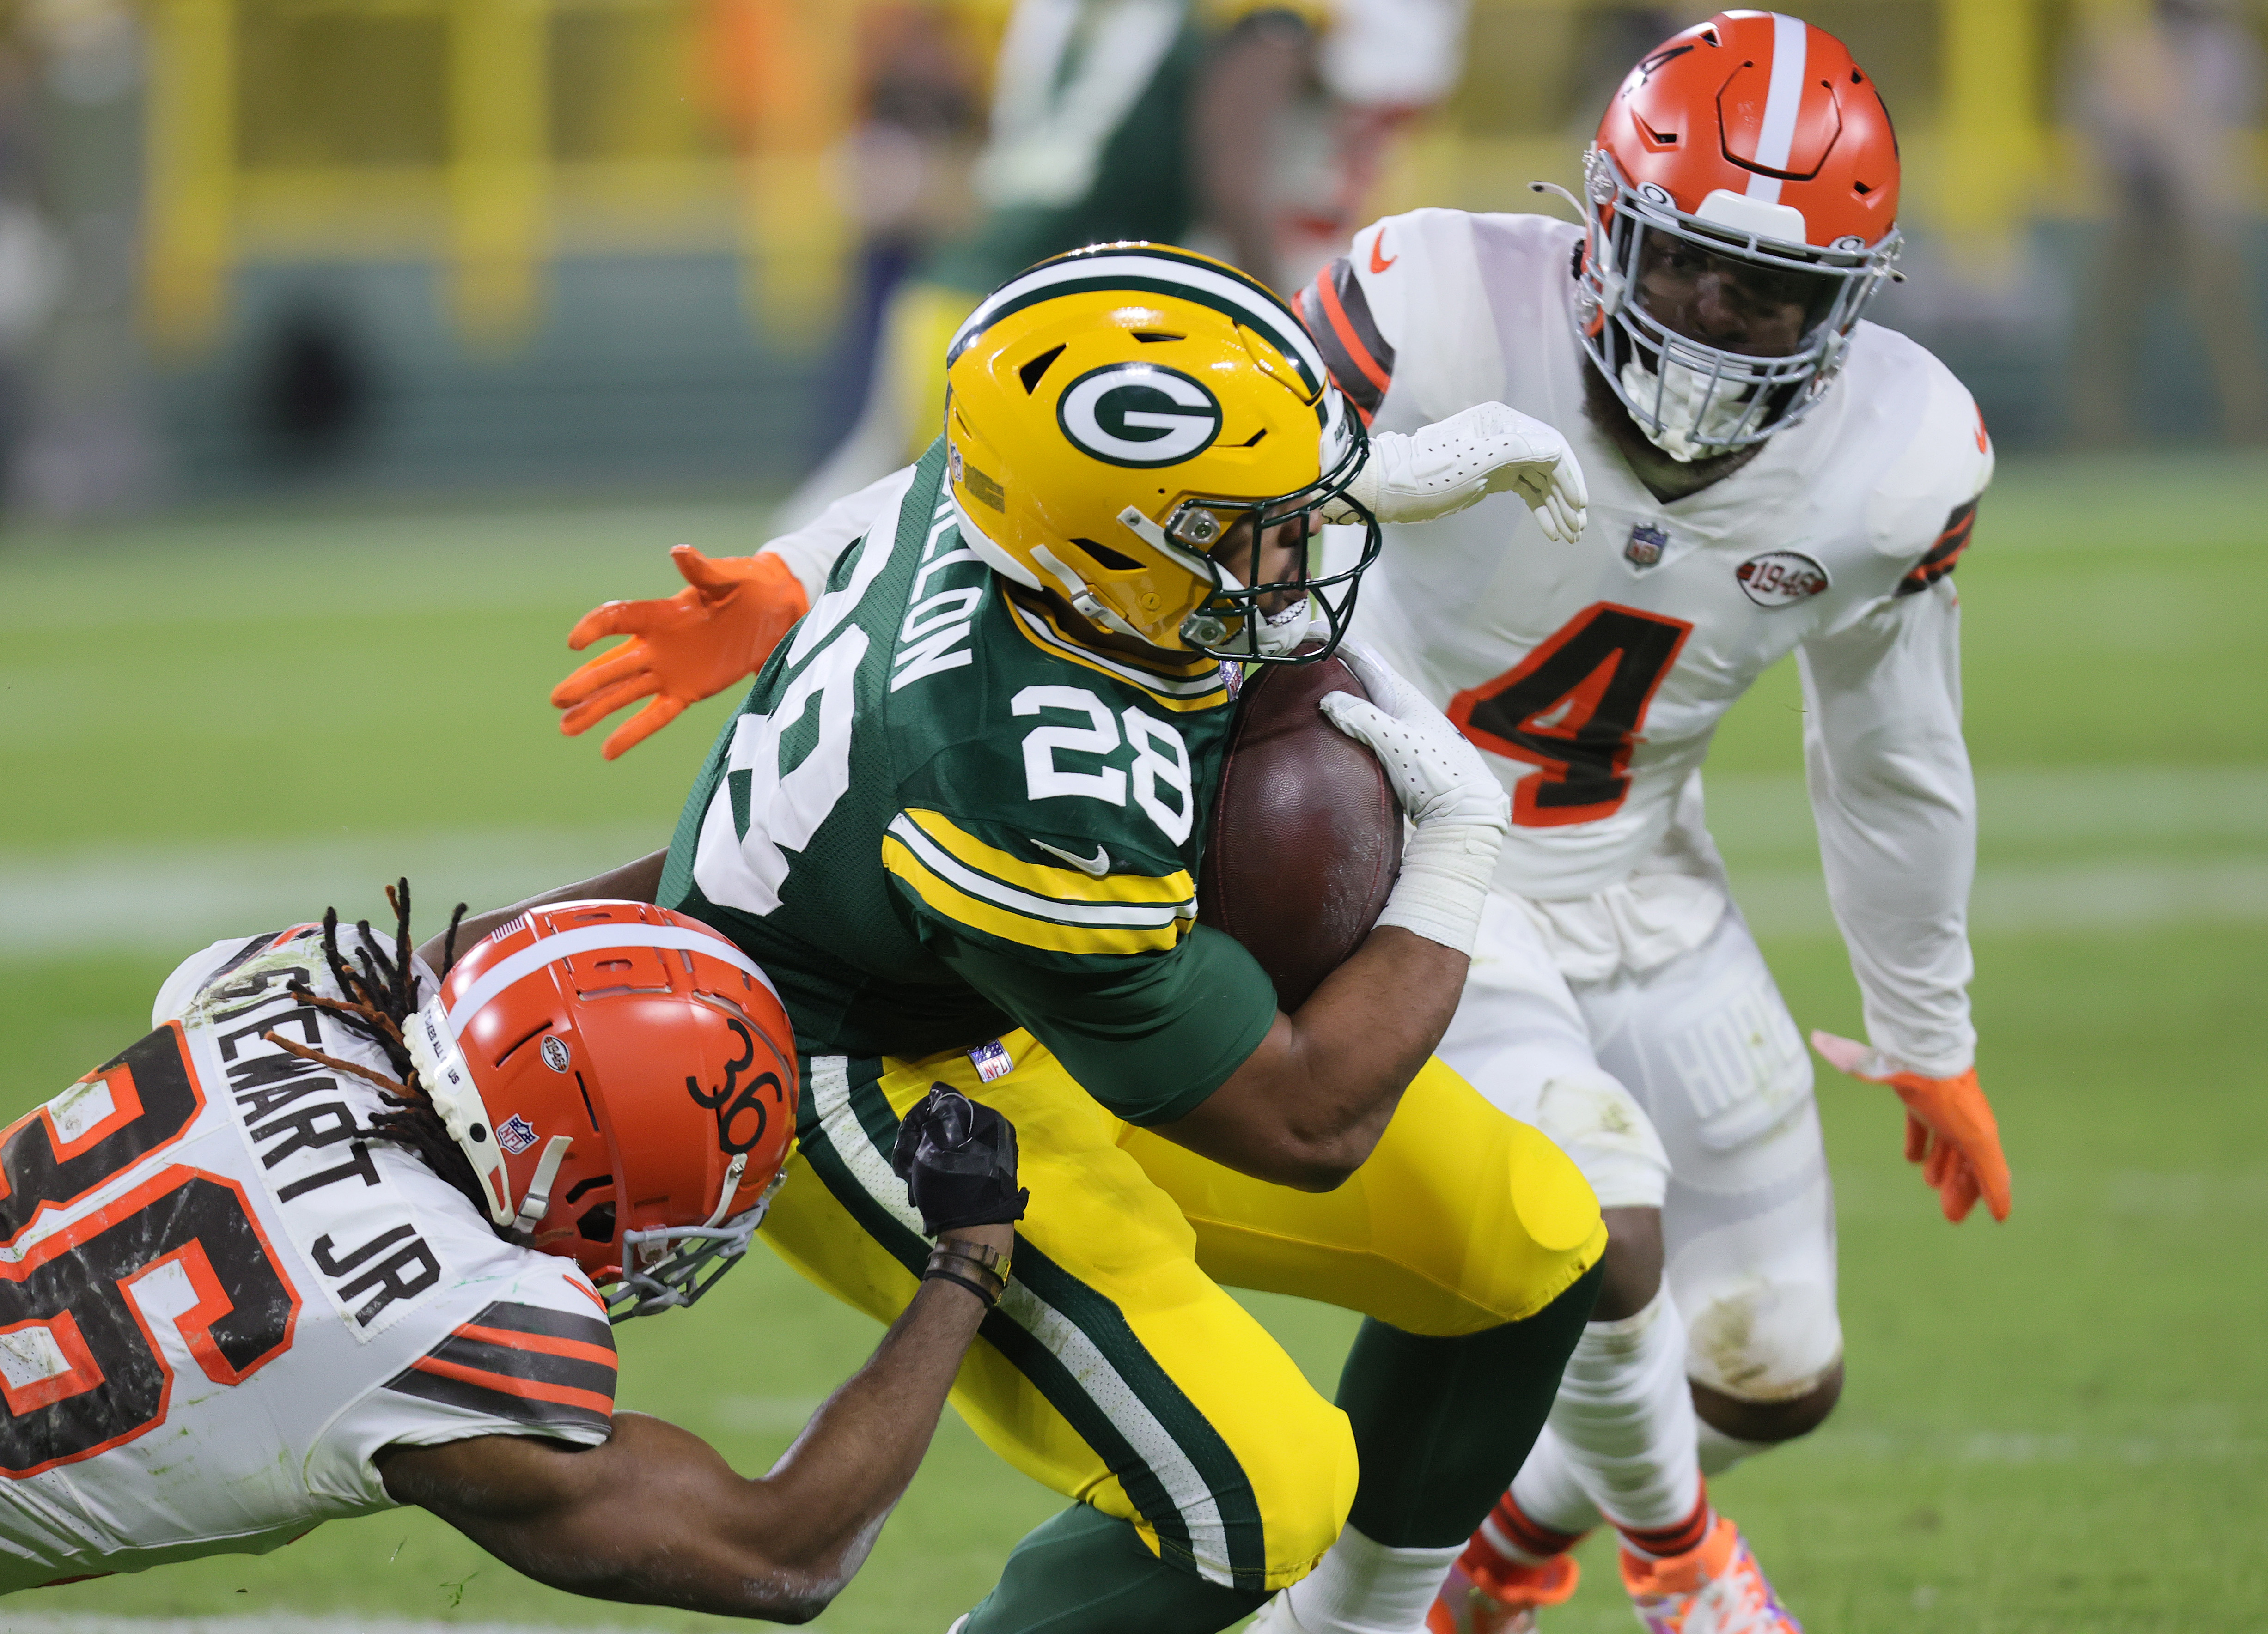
column 1685, row 1089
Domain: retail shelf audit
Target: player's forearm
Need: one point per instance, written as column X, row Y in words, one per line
column 823, row 1503
column 1307, row 1107
column 1895, row 808
column 656, row 1517
column 632, row 882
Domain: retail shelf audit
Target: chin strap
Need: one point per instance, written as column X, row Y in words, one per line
column 537, row 1204
column 1076, row 591
column 447, row 1079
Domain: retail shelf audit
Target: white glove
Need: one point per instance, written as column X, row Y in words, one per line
column 1460, row 812
column 1456, row 462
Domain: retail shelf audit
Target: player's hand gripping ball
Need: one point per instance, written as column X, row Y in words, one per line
column 958, row 1160
column 1951, row 1129
column 713, row 634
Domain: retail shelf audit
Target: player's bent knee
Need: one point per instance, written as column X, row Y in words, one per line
column 1301, row 1468
column 1770, row 1422
column 1528, row 1232
column 1763, row 1343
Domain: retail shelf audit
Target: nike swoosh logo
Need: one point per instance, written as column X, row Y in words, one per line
column 1094, row 867
column 1379, row 262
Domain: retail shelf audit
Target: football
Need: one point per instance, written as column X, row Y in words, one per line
column 1306, row 838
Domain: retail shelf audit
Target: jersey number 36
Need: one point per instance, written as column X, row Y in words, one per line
column 80, row 1364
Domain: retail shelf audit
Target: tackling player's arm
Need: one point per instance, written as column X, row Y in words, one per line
column 653, row 1515
column 717, row 631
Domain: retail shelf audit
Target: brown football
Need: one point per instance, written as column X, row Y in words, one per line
column 1305, row 838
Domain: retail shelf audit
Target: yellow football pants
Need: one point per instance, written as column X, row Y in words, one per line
column 1115, row 1369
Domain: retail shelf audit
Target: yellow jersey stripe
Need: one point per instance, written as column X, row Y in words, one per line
column 1135, row 915
column 1059, row 885
column 1047, row 935
column 1206, row 692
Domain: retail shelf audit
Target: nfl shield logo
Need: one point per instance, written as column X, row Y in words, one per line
column 1645, row 544
column 992, row 1061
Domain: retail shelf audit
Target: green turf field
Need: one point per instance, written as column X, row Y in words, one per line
column 2058, row 1424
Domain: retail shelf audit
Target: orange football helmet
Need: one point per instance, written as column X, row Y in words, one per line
column 623, row 1080
column 1753, row 139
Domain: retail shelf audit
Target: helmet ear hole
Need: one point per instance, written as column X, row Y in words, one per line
column 597, row 1223
column 1116, row 561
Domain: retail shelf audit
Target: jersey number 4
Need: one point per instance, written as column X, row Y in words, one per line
column 1574, row 707
column 80, row 1364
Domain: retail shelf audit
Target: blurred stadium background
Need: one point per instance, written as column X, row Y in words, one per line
column 358, row 246
column 348, row 349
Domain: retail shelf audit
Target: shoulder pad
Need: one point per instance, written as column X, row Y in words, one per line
column 1421, row 275
column 1945, row 459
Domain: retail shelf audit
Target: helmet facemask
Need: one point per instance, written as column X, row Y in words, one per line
column 669, row 1266
column 1693, row 400
column 1233, row 622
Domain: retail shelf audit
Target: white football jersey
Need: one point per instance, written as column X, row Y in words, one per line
column 218, row 1299
column 1594, row 674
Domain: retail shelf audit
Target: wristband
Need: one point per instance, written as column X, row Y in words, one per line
column 984, row 1271
column 989, row 1295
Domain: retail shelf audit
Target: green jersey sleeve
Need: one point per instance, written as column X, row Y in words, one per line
column 1149, row 1011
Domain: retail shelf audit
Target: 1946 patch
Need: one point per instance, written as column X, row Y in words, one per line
column 1779, row 578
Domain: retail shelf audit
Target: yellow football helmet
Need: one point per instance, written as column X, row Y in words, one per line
column 1112, row 414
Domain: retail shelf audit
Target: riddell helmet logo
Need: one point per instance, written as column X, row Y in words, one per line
column 1139, row 413
column 1779, row 578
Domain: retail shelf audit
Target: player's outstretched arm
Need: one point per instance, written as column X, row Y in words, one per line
column 1457, row 462
column 716, row 631
column 1307, row 1106
column 655, row 1516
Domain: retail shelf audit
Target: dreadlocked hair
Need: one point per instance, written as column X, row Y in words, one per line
column 379, row 994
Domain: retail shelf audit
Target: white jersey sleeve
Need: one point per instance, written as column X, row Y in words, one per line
column 811, row 549
column 1891, row 790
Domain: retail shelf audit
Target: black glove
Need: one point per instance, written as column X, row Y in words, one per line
column 958, row 1160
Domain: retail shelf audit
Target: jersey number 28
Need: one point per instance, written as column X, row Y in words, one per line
column 1573, row 707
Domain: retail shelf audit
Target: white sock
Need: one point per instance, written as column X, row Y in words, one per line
column 1548, row 1493
column 1362, row 1587
column 1624, row 1422
column 1721, row 1452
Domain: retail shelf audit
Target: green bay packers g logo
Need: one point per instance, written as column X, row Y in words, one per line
column 1139, row 413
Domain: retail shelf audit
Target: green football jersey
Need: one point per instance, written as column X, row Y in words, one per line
column 1090, row 140
column 938, row 816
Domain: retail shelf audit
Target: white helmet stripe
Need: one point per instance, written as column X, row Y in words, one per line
column 1274, row 321
column 1783, row 100
column 565, row 944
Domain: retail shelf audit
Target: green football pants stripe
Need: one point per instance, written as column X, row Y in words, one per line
column 1026, row 1330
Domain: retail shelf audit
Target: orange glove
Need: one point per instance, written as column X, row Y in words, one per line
column 687, row 647
column 1950, row 1130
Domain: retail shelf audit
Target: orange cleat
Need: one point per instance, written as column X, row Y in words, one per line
column 1715, row 1589
column 1486, row 1596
